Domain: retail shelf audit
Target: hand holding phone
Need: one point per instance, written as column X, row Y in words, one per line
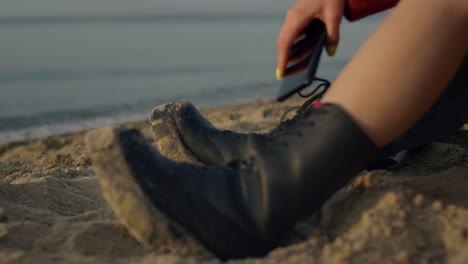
column 305, row 55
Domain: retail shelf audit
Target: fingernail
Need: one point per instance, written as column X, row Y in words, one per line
column 331, row 50
column 279, row 76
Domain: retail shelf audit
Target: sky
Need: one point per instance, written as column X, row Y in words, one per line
column 109, row 7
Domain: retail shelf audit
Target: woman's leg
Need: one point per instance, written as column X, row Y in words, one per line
column 403, row 68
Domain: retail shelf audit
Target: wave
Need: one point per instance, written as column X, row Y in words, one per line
column 44, row 130
column 40, row 125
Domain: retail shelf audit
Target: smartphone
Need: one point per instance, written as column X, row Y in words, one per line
column 295, row 83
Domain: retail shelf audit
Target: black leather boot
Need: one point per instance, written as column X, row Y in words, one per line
column 238, row 210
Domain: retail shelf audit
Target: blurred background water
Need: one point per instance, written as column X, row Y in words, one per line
column 71, row 65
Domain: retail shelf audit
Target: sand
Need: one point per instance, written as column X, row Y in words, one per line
column 52, row 209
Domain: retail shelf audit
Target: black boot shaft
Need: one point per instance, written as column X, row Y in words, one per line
column 304, row 167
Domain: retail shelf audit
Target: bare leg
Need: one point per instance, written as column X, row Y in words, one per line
column 404, row 67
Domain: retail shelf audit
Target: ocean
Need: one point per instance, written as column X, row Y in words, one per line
column 66, row 73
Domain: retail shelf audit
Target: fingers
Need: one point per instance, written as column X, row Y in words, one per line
column 332, row 22
column 293, row 26
column 297, row 19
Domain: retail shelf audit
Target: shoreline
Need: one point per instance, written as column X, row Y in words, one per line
column 11, row 136
column 52, row 209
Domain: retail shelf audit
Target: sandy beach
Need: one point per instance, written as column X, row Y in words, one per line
column 52, row 209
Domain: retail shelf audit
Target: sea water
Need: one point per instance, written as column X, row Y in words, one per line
column 66, row 73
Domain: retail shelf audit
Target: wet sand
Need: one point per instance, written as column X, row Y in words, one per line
column 52, row 209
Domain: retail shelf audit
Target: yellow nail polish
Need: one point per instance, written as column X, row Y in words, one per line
column 278, row 74
column 331, row 50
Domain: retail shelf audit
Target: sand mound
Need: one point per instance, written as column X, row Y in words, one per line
column 52, row 209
